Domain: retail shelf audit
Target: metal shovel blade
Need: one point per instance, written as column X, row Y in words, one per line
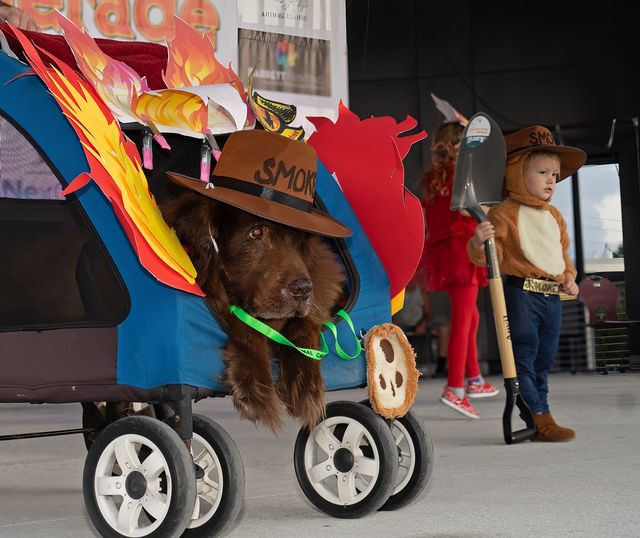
column 480, row 165
column 479, row 176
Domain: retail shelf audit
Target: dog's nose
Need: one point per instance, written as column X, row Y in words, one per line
column 301, row 288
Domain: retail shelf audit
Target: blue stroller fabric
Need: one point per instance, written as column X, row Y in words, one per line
column 169, row 336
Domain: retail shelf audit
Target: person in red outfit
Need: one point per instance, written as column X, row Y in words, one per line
column 448, row 268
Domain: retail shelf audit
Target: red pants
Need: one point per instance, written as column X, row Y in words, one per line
column 463, row 328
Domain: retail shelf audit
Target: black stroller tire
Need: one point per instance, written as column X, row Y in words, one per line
column 415, row 459
column 220, row 491
column 347, row 466
column 138, row 480
column 415, row 454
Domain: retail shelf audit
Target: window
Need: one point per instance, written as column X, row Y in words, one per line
column 54, row 272
column 601, row 216
column 563, row 201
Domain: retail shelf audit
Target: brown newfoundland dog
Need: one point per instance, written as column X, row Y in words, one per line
column 286, row 277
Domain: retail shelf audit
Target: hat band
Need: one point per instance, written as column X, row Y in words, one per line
column 262, row 192
column 529, row 147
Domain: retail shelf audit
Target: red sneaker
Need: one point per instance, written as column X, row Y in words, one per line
column 481, row 390
column 462, row 406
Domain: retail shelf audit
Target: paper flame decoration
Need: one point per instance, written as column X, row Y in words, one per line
column 173, row 111
column 366, row 158
column 274, row 116
column 202, row 97
column 192, row 61
column 115, row 167
column 192, row 108
column 115, row 81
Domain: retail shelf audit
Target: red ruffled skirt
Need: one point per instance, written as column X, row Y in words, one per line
column 447, row 263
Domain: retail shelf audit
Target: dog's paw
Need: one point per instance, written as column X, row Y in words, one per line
column 302, row 391
column 258, row 403
column 248, row 377
column 310, row 410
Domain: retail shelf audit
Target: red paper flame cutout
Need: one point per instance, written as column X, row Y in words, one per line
column 366, row 157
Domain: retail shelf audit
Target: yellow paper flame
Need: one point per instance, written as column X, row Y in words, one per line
column 172, row 108
column 115, row 82
column 105, row 143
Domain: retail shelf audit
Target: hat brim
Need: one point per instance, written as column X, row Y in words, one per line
column 315, row 221
column 571, row 159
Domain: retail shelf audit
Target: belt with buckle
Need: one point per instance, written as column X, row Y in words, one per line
column 536, row 285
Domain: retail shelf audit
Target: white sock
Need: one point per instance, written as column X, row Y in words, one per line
column 478, row 379
column 458, row 391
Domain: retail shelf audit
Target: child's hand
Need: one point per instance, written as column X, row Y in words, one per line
column 484, row 208
column 17, row 17
column 570, row 287
column 421, row 328
column 484, row 231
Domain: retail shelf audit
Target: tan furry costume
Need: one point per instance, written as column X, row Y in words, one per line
column 531, row 234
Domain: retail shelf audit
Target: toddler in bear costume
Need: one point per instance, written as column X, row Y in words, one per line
column 532, row 245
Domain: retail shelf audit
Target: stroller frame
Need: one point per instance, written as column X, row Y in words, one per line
column 166, row 352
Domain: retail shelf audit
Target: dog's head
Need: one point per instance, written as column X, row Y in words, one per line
column 270, row 270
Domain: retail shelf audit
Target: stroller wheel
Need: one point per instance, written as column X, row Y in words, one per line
column 347, row 466
column 220, row 480
column 415, row 459
column 415, row 465
column 138, row 480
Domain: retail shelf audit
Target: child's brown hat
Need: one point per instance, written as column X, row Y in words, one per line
column 538, row 138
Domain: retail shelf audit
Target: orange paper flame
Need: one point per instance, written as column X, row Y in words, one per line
column 192, row 61
column 115, row 81
column 172, row 108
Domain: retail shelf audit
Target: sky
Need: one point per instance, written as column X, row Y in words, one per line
column 600, row 209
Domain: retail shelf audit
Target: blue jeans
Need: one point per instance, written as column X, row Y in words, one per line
column 534, row 323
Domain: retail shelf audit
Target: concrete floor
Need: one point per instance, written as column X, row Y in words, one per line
column 480, row 487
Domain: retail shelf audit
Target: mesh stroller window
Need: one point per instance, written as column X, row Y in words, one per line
column 23, row 173
column 54, row 272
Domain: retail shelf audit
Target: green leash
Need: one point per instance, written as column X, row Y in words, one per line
column 316, row 354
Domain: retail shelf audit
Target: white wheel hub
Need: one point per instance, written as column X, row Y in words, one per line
column 210, row 486
column 133, row 496
column 406, row 454
column 342, row 467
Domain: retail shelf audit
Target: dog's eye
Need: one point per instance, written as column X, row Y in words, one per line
column 256, row 233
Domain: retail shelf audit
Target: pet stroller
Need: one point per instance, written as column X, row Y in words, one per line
column 81, row 320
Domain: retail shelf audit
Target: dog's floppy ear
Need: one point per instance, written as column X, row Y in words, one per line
column 327, row 275
column 193, row 217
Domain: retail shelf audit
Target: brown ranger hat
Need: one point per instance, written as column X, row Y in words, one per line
column 538, row 138
column 270, row 176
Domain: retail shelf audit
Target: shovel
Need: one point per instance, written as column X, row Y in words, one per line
column 479, row 175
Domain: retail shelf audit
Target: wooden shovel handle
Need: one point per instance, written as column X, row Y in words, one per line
column 502, row 328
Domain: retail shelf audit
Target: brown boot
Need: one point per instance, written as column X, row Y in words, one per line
column 547, row 429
